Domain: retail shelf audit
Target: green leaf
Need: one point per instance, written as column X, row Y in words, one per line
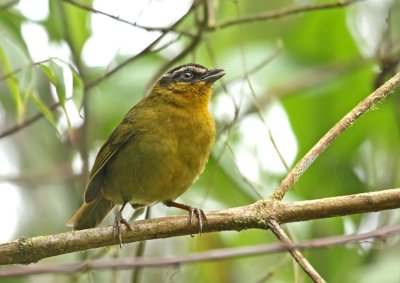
column 77, row 90
column 60, row 85
column 79, row 31
column 10, row 22
column 54, row 23
column 13, row 84
column 49, row 73
column 68, row 23
column 55, row 74
column 43, row 108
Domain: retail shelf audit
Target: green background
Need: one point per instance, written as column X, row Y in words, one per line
column 322, row 65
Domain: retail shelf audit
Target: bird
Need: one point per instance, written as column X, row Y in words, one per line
column 156, row 153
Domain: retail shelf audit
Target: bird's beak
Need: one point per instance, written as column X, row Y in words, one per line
column 213, row 75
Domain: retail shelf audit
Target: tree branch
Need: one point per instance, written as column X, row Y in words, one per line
column 28, row 121
column 189, row 48
column 28, row 250
column 296, row 254
column 276, row 14
column 368, row 103
column 92, row 83
column 95, row 11
column 213, row 255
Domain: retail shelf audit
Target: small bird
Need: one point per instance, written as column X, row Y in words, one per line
column 156, row 153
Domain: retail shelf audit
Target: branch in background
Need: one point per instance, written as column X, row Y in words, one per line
column 28, row 250
column 90, row 84
column 107, row 75
column 368, row 103
column 143, row 52
column 301, row 82
column 283, row 13
column 272, row 270
column 207, row 256
column 95, row 11
column 201, row 25
column 28, row 122
column 20, row 69
column 9, row 4
column 270, row 135
column 55, row 174
column 168, row 64
column 300, row 259
column 264, row 16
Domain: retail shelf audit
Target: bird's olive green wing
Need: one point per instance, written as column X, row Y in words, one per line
column 118, row 138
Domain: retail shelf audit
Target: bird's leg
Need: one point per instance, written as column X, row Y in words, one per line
column 199, row 213
column 119, row 220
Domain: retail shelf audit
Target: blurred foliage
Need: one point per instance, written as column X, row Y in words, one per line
column 329, row 60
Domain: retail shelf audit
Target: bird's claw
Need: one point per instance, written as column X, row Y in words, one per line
column 117, row 227
column 200, row 215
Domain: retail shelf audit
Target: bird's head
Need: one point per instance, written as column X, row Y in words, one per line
column 189, row 83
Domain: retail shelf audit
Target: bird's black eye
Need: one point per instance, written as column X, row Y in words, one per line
column 187, row 76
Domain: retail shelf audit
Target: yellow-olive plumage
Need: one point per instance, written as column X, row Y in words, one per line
column 157, row 151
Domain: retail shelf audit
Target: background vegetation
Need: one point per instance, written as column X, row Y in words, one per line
column 294, row 68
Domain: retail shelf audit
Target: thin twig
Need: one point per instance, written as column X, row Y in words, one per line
column 254, row 97
column 94, row 82
column 300, row 83
column 35, row 179
column 88, row 86
column 9, row 4
column 28, row 122
column 283, row 13
column 270, row 135
column 368, row 103
column 83, row 144
column 301, row 260
column 193, row 44
column 28, row 250
column 207, row 256
column 274, row 269
column 252, row 70
column 107, row 75
column 93, row 10
column 20, row 69
column 145, row 51
column 195, row 41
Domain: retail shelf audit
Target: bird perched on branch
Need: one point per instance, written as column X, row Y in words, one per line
column 158, row 150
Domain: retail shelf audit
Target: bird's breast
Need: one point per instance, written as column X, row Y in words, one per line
column 194, row 137
column 169, row 152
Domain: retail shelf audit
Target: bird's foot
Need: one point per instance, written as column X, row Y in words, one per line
column 117, row 227
column 197, row 212
column 200, row 215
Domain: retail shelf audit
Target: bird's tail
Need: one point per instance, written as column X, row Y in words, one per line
column 90, row 214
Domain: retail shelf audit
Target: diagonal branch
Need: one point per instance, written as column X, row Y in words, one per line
column 28, row 121
column 28, row 250
column 296, row 254
column 368, row 103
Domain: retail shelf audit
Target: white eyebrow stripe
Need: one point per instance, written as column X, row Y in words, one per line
column 191, row 68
